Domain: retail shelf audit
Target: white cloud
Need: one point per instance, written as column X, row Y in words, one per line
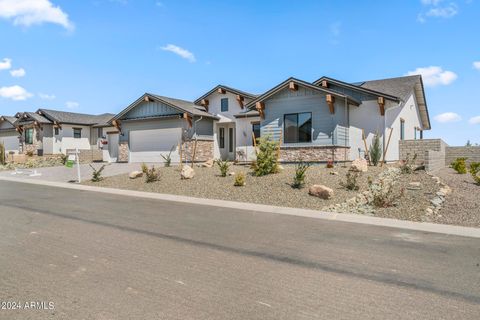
column 474, row 120
column 15, row 93
column 476, row 65
column 184, row 53
column 448, row 117
column 433, row 76
column 443, row 12
column 46, row 96
column 72, row 104
column 18, row 73
column 431, row 2
column 5, row 64
column 31, row 12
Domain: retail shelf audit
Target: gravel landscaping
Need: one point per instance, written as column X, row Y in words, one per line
column 275, row 189
column 34, row 162
column 463, row 203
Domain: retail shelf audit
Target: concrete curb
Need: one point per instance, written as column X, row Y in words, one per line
column 343, row 217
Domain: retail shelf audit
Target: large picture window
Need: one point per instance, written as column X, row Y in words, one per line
column 297, row 127
column 29, row 136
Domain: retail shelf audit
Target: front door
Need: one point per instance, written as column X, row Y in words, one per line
column 226, row 142
column 113, row 146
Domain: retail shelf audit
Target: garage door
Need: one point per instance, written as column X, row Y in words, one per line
column 11, row 143
column 149, row 145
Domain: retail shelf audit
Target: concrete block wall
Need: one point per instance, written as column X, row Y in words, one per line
column 452, row 153
column 420, row 147
column 434, row 160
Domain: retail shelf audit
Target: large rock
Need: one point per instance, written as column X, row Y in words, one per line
column 135, row 174
column 359, row 165
column 320, row 191
column 187, row 172
column 208, row 164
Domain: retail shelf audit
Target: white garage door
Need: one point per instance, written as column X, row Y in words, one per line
column 149, row 145
column 11, row 143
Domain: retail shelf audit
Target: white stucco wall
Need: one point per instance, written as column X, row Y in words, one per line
column 244, row 136
column 65, row 140
column 214, row 105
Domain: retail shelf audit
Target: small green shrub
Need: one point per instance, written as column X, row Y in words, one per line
column 223, row 165
column 407, row 166
column 475, row 172
column 2, row 154
column 330, row 164
column 239, row 179
column 168, row 158
column 97, row 173
column 144, row 168
column 300, row 173
column 152, row 175
column 383, row 193
column 266, row 162
column 63, row 159
column 460, row 165
column 375, row 150
column 29, row 153
column 351, row 181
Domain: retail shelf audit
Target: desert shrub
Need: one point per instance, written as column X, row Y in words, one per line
column 300, row 173
column 351, row 182
column 152, row 175
column 239, row 179
column 29, row 153
column 330, row 164
column 63, row 159
column 266, row 162
column 407, row 166
column 223, row 165
column 168, row 159
column 383, row 193
column 144, row 168
column 2, row 154
column 475, row 171
column 375, row 150
column 97, row 173
column 460, row 165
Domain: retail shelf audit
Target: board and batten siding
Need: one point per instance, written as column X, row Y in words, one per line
column 150, row 109
column 327, row 128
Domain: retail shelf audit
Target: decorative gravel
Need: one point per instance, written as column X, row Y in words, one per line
column 462, row 205
column 272, row 189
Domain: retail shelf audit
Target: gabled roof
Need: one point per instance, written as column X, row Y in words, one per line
column 228, row 89
column 25, row 117
column 8, row 119
column 74, row 118
column 302, row 83
column 356, row 87
column 403, row 87
column 181, row 105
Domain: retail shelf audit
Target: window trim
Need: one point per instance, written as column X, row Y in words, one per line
column 74, row 129
column 221, row 104
column 56, row 131
column 297, row 114
column 29, row 141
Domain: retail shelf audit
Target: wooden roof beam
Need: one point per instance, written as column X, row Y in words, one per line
column 324, row 83
column 331, row 103
column 221, row 91
column 381, row 105
column 240, row 100
column 188, row 117
column 117, row 124
column 260, row 106
column 293, row 86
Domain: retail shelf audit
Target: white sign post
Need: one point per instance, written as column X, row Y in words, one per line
column 74, row 157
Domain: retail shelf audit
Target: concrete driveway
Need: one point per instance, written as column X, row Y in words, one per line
column 64, row 174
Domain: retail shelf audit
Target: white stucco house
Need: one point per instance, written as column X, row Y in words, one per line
column 318, row 121
column 47, row 132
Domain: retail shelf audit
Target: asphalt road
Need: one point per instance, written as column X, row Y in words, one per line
column 98, row 256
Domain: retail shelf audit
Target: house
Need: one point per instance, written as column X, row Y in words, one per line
column 54, row 132
column 325, row 120
column 9, row 135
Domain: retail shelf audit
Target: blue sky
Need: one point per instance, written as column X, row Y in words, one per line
column 97, row 56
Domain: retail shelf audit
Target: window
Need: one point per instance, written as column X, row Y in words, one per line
column 230, row 139
column 256, row 130
column 222, row 138
column 402, row 129
column 421, row 134
column 57, row 131
column 29, row 136
column 77, row 133
column 297, row 127
column 224, row 104
column 415, row 133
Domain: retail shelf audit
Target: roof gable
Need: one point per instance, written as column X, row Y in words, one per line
column 227, row 89
column 73, row 117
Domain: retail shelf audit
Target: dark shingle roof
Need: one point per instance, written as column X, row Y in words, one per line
column 9, row 119
column 185, row 105
column 75, row 118
column 26, row 117
column 399, row 87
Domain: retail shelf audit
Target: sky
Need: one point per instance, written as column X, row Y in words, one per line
column 97, row 56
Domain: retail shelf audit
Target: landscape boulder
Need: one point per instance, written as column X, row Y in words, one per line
column 359, row 165
column 321, row 191
column 135, row 174
column 208, row 164
column 414, row 186
column 187, row 172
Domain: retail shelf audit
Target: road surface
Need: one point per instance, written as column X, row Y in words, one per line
column 84, row 255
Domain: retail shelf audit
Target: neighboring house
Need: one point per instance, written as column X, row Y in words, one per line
column 56, row 132
column 9, row 135
column 154, row 125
